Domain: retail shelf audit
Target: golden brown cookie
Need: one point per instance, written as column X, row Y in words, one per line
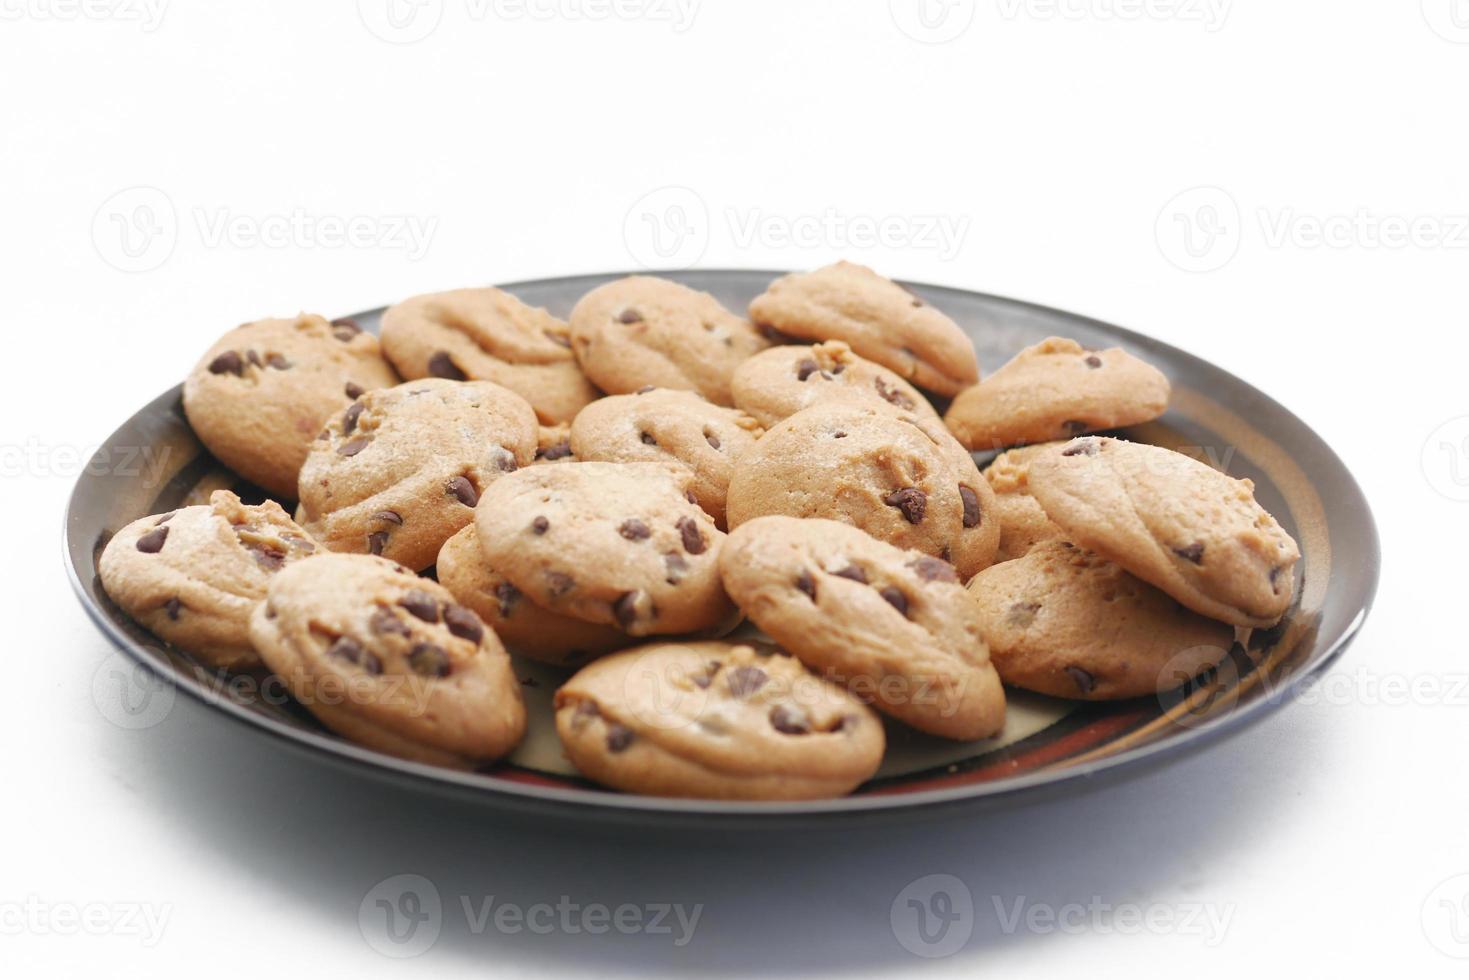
column 901, row 478
column 1057, row 389
column 192, row 576
column 389, row 660
column 1023, row 522
column 642, row 331
column 1066, row 622
column 1192, row 531
column 715, row 721
column 661, row 425
column 620, row 544
column 895, row 627
column 261, row 393
column 401, row 469
column 487, row 334
column 523, row 626
column 877, row 318
column 777, row 383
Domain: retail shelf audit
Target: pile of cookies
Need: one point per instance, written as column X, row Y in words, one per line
column 613, row 494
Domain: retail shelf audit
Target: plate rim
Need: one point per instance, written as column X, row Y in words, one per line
column 591, row 802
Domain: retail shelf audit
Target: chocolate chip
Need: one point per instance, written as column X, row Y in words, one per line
column 354, row 390
column 540, row 525
column 384, row 623
column 559, row 583
column 647, row 438
column 645, row 389
column 689, row 496
column 1022, row 613
column 693, row 537
column 845, row 723
column 587, row 709
column 676, row 567
column 421, row 604
column 1072, row 427
column 934, row 570
column 625, row 609
column 353, row 446
column 268, row 558
column 152, row 542
column 463, row 623
column 1275, row 578
column 839, row 434
column 1085, row 682
column 1093, row 361
column 629, row 315
column 806, row 368
column 561, row 450
column 229, row 362
column 345, row 329
column 350, row 416
column 346, row 648
column 634, row 530
column 428, row 660
column 619, row 737
column 462, row 490
column 806, row 584
column 1193, row 553
column 789, row 720
column 376, row 542
column 895, row 598
column 712, row 440
column 745, row 681
column 894, row 396
column 854, row 573
column 972, row 513
column 278, row 362
column 508, row 595
column 911, row 501
column 707, row 678
column 165, row 518
column 252, row 357
column 391, row 516
column 172, row 607
column 1087, row 447
column 506, row 463
column 557, row 338
column 441, row 365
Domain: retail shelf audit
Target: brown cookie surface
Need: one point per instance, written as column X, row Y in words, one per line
column 262, row 392
column 400, row 470
column 777, row 383
column 487, row 334
column 716, row 721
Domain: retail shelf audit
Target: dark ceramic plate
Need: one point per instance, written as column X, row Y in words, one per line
column 1049, row 746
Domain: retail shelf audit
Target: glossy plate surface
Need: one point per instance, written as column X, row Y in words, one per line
column 153, row 463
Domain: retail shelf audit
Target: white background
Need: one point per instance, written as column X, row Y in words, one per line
column 1057, row 138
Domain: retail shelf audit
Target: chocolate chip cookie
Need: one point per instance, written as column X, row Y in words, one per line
column 400, row 470
column 623, row 544
column 900, row 477
column 644, row 331
column 716, row 721
column 388, row 659
column 1023, row 522
column 777, row 383
column 1068, row 623
column 523, row 626
column 662, row 424
column 260, row 395
column 876, row 317
column 192, row 576
column 1192, row 531
column 489, row 335
column 1057, row 389
column 553, row 444
column 895, row 627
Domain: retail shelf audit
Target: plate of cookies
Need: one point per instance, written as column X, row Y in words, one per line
column 723, row 546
